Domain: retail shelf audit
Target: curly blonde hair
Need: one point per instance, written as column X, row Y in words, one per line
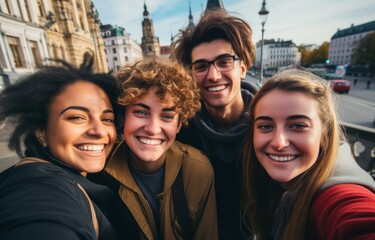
column 169, row 78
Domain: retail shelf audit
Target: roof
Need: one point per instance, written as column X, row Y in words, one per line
column 116, row 31
column 214, row 4
column 366, row 27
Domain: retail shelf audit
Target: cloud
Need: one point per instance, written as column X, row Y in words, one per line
column 302, row 21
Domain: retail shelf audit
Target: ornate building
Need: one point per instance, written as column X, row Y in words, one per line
column 150, row 43
column 35, row 30
column 72, row 28
column 23, row 44
column 120, row 48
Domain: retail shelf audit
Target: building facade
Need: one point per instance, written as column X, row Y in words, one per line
column 120, row 48
column 33, row 31
column 278, row 53
column 72, row 29
column 345, row 42
column 23, row 42
column 150, row 43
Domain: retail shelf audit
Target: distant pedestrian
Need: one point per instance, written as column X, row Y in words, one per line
column 368, row 84
column 355, row 82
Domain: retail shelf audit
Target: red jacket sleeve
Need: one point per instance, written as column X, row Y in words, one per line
column 344, row 211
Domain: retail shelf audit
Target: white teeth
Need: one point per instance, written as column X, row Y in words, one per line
column 150, row 141
column 91, row 147
column 217, row 88
column 282, row 158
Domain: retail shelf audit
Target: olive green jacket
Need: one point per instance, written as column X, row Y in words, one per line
column 198, row 178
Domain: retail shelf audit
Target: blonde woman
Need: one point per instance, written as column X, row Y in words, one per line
column 300, row 181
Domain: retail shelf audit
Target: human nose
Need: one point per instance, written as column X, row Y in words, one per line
column 280, row 140
column 152, row 126
column 212, row 72
column 97, row 129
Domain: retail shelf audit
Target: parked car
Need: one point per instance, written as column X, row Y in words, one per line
column 338, row 84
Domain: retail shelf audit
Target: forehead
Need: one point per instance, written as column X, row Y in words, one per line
column 83, row 94
column 155, row 97
column 210, row 50
column 281, row 103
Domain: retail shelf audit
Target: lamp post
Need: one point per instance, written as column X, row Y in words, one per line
column 263, row 13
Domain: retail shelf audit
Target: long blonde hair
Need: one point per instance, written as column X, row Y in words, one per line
column 261, row 194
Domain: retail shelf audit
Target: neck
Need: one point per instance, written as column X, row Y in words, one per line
column 146, row 166
column 226, row 117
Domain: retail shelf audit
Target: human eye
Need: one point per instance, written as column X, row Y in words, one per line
column 139, row 113
column 298, row 126
column 264, row 127
column 224, row 62
column 169, row 116
column 76, row 117
column 200, row 67
column 108, row 119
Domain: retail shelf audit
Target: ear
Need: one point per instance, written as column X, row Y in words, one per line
column 243, row 69
column 179, row 127
column 41, row 136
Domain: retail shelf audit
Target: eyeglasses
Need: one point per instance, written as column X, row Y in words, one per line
column 222, row 64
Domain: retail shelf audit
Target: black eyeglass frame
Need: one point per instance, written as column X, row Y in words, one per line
column 234, row 57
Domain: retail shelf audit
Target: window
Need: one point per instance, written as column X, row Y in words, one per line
column 3, row 63
column 28, row 10
column 113, row 50
column 113, row 42
column 125, row 50
column 8, row 7
column 15, row 47
column 42, row 11
column 126, row 59
column 35, row 52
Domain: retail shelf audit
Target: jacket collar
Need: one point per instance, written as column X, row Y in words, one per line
column 118, row 166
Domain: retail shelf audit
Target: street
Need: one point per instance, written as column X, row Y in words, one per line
column 357, row 107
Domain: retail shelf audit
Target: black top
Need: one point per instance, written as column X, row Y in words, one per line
column 43, row 201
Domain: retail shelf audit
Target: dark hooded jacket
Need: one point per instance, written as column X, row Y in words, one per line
column 223, row 150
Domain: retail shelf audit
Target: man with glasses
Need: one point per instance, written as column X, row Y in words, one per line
column 218, row 51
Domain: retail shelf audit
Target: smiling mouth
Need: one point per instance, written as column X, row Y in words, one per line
column 152, row 142
column 282, row 158
column 91, row 147
column 216, row 88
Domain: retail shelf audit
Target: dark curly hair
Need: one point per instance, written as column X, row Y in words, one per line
column 25, row 104
column 167, row 77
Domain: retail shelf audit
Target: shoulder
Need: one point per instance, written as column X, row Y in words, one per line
column 344, row 210
column 195, row 160
column 36, row 193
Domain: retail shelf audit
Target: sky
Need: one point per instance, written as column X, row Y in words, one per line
column 302, row 21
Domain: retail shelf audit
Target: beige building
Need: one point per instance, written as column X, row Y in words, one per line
column 35, row 30
column 72, row 28
column 23, row 44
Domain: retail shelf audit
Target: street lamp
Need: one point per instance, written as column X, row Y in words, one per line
column 263, row 13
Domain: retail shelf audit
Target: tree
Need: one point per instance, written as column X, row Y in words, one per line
column 319, row 55
column 364, row 54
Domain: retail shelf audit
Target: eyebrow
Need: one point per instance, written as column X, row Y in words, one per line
column 148, row 108
column 217, row 57
column 288, row 118
column 84, row 109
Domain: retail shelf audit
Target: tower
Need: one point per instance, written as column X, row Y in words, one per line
column 191, row 22
column 214, row 4
column 150, row 43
